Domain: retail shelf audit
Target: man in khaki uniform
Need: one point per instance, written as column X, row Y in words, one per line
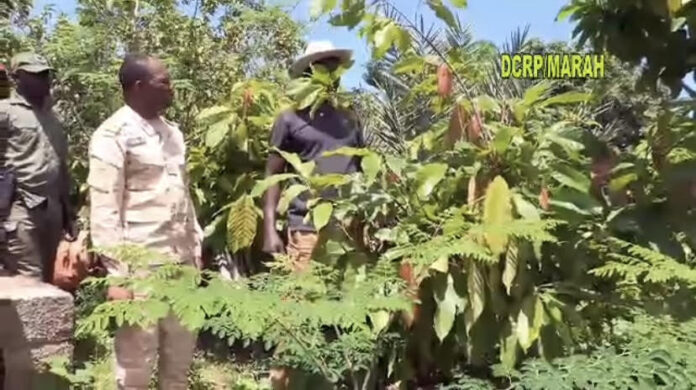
column 33, row 149
column 139, row 195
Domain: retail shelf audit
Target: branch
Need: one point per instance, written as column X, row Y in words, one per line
column 348, row 361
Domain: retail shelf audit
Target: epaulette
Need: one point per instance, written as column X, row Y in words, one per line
column 112, row 127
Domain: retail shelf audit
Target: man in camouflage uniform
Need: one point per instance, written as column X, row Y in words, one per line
column 34, row 154
column 139, row 195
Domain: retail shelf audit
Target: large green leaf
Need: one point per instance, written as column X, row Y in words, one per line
column 529, row 321
column 511, row 266
column 321, row 214
column 288, row 195
column 371, row 165
column 619, row 183
column 353, row 13
column 379, row 320
column 304, row 169
column 216, row 133
column 329, row 180
column 442, row 12
column 447, row 302
column 427, row 177
column 211, row 112
column 241, row 224
column 536, row 92
column 476, row 288
column 497, row 212
column 409, row 64
column 566, row 11
column 572, row 97
column 525, row 209
column 508, row 347
column 389, row 35
column 503, row 137
column 262, row 185
column 304, row 92
column 320, row 7
column 571, row 178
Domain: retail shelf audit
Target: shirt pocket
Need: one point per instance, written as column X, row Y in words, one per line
column 145, row 169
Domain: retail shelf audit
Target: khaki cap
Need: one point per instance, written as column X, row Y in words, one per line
column 29, row 62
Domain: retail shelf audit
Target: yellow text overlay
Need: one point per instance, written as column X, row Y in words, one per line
column 552, row 66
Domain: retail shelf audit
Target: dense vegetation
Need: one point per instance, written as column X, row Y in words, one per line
column 530, row 234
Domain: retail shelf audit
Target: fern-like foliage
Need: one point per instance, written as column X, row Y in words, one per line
column 637, row 264
column 313, row 320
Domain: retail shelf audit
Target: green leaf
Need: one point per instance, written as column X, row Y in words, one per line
column 525, row 209
column 621, row 182
column 216, row 133
column 511, row 266
column 460, row 3
column 389, row 35
column 476, row 288
column 347, row 151
column 379, row 320
column 427, row 177
column 441, row 264
column 320, row 7
column 446, row 309
column 409, row 64
column 497, row 212
column 353, row 13
column 288, row 195
column 443, row 13
column 371, row 165
column 212, row 112
column 566, row 11
column 536, row 92
column 321, row 214
column 572, row 97
column 571, row 178
column 486, row 103
column 262, row 185
column 241, row 224
column 508, row 347
column 529, row 321
column 503, row 137
column 304, row 92
column 304, row 169
column 329, row 180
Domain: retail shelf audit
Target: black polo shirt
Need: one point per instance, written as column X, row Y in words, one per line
column 329, row 129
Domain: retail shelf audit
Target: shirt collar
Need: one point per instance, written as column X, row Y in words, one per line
column 144, row 124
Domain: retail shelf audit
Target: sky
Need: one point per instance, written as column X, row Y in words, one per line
column 492, row 20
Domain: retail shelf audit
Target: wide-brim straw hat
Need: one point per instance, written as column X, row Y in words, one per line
column 318, row 50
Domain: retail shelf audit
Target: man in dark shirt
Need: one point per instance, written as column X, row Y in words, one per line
column 295, row 131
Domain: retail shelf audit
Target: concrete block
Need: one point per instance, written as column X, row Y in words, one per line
column 36, row 324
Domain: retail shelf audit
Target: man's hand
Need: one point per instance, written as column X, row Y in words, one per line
column 272, row 243
column 118, row 294
column 70, row 230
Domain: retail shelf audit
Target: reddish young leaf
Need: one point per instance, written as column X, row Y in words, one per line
column 544, row 198
column 444, row 81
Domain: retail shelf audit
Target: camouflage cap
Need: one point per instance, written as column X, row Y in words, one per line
column 29, row 62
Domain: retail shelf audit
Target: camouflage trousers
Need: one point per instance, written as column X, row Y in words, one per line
column 137, row 349
column 31, row 237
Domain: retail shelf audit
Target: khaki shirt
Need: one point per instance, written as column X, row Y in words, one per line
column 139, row 189
column 37, row 151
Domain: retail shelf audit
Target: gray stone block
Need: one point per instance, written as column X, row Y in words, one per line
column 36, row 324
column 34, row 312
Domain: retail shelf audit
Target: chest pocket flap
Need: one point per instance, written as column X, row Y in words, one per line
column 145, row 165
